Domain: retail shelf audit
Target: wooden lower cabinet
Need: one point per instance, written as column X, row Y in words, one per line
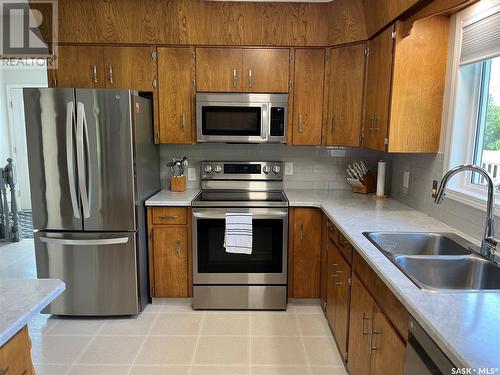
column 306, row 252
column 15, row 355
column 169, row 253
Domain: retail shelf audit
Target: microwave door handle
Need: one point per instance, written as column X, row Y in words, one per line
column 266, row 122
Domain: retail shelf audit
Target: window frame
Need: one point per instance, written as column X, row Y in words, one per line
column 461, row 113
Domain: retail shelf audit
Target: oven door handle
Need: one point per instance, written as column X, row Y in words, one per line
column 222, row 215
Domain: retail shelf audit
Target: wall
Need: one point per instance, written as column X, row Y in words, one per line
column 313, row 167
column 423, row 169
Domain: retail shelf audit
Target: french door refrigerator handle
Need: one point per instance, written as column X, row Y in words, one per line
column 70, row 113
column 81, row 130
column 84, row 242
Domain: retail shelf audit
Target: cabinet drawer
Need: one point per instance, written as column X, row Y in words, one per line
column 170, row 215
column 345, row 248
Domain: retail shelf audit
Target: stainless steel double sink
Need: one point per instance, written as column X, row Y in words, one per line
column 438, row 261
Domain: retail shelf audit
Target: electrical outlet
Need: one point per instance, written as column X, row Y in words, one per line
column 406, row 179
column 288, row 169
column 192, row 175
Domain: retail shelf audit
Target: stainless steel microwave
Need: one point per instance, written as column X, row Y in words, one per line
column 241, row 118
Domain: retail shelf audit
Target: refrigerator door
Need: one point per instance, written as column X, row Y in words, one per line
column 51, row 145
column 99, row 270
column 105, row 159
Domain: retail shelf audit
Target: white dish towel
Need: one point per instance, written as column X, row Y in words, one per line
column 238, row 233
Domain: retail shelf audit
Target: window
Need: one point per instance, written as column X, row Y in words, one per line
column 473, row 112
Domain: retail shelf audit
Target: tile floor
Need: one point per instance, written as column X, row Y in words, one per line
column 169, row 338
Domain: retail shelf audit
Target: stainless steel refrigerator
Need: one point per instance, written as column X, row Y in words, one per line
column 92, row 164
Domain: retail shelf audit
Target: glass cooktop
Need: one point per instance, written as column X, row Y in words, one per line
column 240, row 198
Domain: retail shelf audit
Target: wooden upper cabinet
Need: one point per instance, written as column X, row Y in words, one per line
column 175, row 77
column 306, row 252
column 308, row 96
column 129, row 68
column 378, row 14
column 388, row 350
column 80, row 66
column 418, row 86
column 344, row 90
column 265, row 70
column 170, row 261
column 378, row 86
column 360, row 328
column 219, row 69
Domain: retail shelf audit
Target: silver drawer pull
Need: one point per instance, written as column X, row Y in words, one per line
column 94, row 73
column 234, row 78
column 183, row 125
column 301, row 128
column 179, row 247
column 111, row 74
column 250, row 78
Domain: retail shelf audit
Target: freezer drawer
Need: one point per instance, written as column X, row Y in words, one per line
column 99, row 270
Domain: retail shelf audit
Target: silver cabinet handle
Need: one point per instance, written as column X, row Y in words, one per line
column 94, row 73
column 183, row 122
column 370, row 124
column 250, row 78
column 70, row 113
column 179, row 247
column 81, row 131
column 168, row 216
column 331, row 125
column 111, row 74
column 365, row 318
column 301, row 232
column 372, row 345
column 84, row 242
column 375, row 119
column 301, row 129
column 234, row 78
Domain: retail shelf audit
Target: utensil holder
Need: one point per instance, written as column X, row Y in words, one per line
column 368, row 182
column 178, row 183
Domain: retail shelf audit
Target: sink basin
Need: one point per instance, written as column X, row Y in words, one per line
column 419, row 243
column 462, row 273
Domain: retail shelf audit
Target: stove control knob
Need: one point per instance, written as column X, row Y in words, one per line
column 276, row 169
column 208, row 168
column 266, row 169
column 218, row 168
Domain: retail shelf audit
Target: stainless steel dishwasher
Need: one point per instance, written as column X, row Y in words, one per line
column 423, row 356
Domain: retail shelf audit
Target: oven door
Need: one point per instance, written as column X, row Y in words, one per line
column 232, row 122
column 266, row 265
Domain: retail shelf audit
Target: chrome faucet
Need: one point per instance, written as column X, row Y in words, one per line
column 489, row 243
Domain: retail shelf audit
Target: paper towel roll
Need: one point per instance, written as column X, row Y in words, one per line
column 381, row 179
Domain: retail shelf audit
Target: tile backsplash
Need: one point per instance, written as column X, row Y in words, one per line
column 313, row 167
column 423, row 169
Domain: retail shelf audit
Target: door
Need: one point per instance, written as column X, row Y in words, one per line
column 176, row 102
column 378, row 85
column 219, row 69
column 346, row 73
column 51, row 145
column 104, row 126
column 129, row 68
column 99, row 270
column 265, row 69
column 308, row 96
column 341, row 302
column 306, row 252
column 265, row 265
column 170, row 262
column 360, row 329
column 387, row 348
column 80, row 66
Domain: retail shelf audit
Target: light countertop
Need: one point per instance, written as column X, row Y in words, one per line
column 172, row 198
column 21, row 299
column 464, row 324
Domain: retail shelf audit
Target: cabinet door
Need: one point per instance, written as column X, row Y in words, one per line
column 170, row 261
column 346, row 73
column 388, row 349
column 219, row 69
column 306, row 252
column 129, row 68
column 378, row 83
column 308, row 96
column 323, row 287
column 341, row 302
column 80, row 66
column 360, row 328
column 265, row 70
column 331, row 289
column 176, row 99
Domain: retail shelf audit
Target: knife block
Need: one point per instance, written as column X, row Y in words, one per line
column 368, row 187
column 178, row 183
